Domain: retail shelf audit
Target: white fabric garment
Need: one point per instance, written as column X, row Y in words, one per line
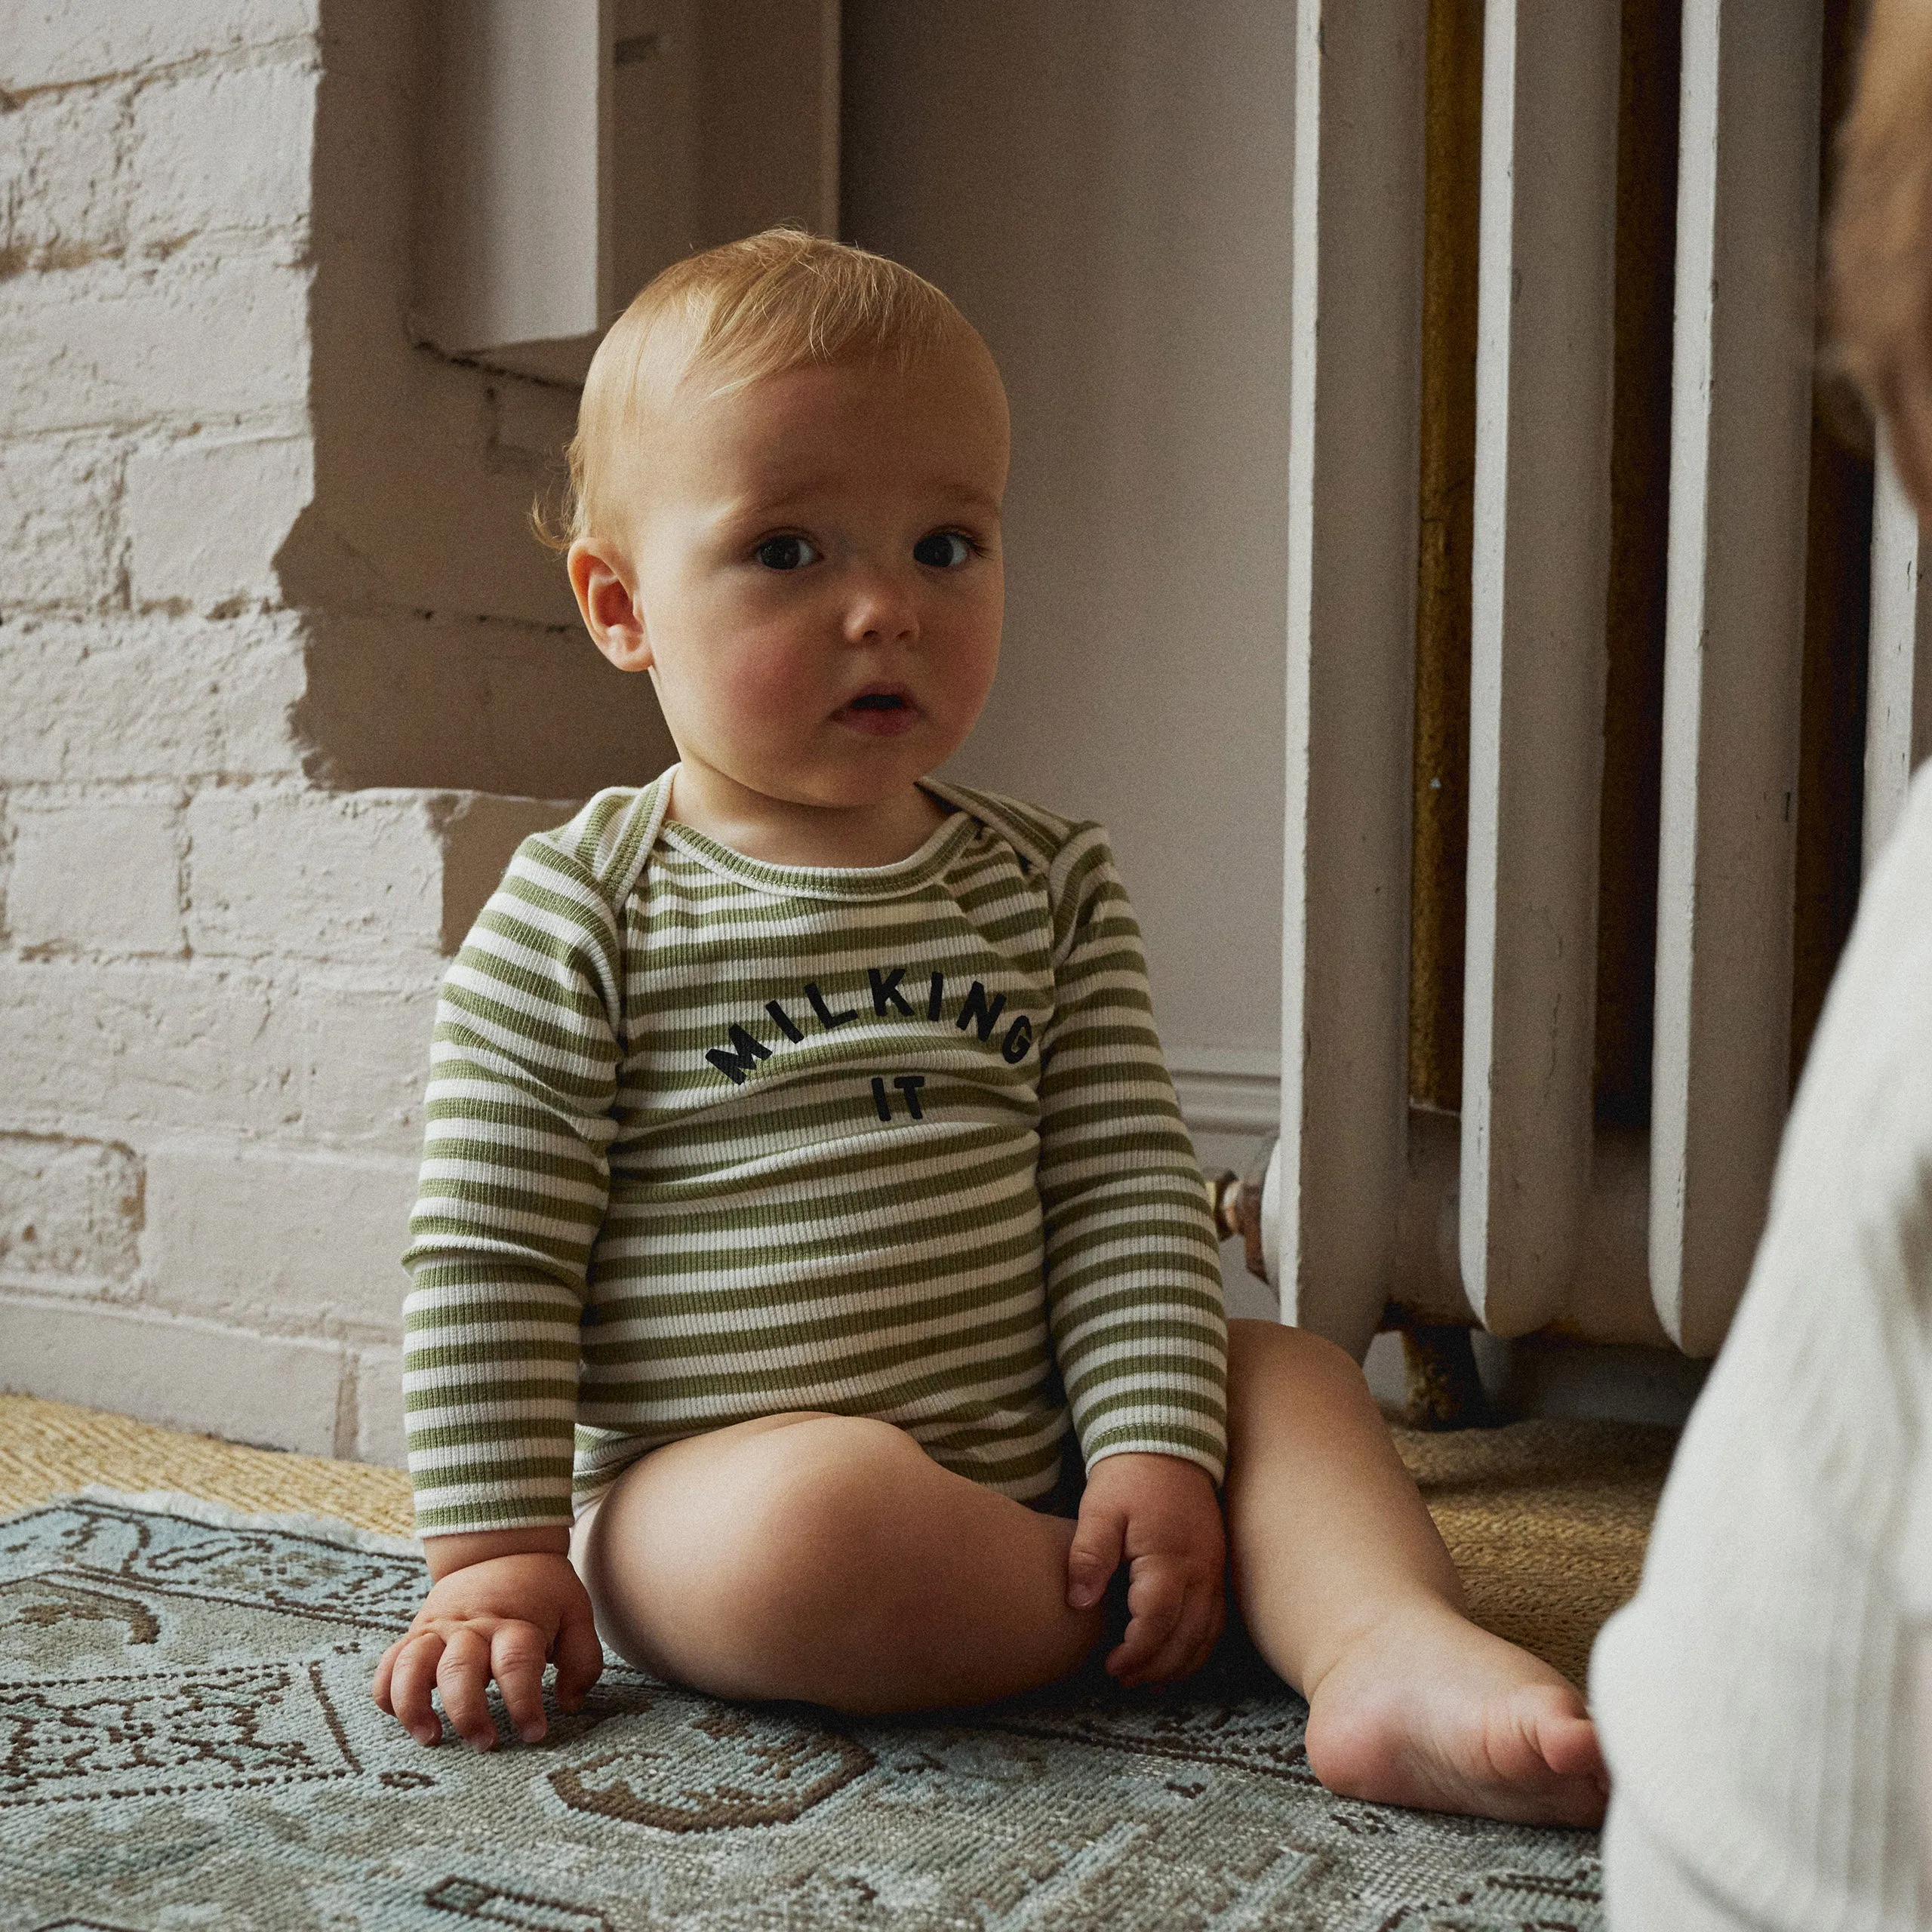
column 1647, row 1887
column 1754, row 1698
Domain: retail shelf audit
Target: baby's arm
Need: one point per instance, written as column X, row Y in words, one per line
column 1133, row 1285
column 1160, row 1515
column 514, row 1180
column 502, row 1603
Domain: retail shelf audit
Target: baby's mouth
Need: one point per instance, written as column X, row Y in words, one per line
column 878, row 713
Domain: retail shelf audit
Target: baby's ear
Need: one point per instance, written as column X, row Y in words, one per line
column 612, row 614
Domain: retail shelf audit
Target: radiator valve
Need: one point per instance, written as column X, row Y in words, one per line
column 1235, row 1202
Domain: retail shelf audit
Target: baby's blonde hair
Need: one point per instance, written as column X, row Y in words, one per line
column 1879, row 243
column 777, row 301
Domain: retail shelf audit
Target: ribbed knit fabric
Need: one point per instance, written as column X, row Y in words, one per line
column 1753, row 1697
column 710, row 1139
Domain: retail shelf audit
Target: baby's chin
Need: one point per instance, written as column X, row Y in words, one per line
column 856, row 765
column 855, row 785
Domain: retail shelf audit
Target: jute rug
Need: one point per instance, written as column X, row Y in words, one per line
column 186, row 1739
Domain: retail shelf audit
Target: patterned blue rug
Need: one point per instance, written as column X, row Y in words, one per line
column 186, row 1739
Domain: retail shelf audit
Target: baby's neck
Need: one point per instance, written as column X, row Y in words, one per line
column 780, row 832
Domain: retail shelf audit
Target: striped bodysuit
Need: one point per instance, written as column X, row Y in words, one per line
column 710, row 1139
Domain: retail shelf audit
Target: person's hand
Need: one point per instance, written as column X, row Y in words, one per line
column 1160, row 1516
column 503, row 1617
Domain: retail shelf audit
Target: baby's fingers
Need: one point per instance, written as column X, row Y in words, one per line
column 379, row 1687
column 1155, row 1601
column 412, row 1665
column 462, row 1677
column 1216, row 1622
column 1203, row 1613
column 1094, row 1554
column 580, row 1658
column 517, row 1660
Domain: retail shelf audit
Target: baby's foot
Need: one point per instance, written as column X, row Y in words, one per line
column 1424, row 1708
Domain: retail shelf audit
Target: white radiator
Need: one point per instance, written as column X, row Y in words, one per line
column 1520, row 1215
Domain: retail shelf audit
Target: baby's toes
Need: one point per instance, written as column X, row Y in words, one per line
column 1570, row 1747
column 1546, row 1752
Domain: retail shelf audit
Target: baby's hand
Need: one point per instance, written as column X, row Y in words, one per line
column 503, row 1617
column 1161, row 1515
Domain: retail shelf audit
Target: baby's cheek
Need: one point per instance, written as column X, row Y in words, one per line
column 770, row 689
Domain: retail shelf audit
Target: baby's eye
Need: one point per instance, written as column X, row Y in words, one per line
column 785, row 553
column 943, row 550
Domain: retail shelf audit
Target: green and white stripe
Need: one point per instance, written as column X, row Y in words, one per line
column 710, row 1139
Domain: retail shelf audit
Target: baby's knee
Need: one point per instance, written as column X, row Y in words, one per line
column 1269, row 1351
column 836, row 1502
column 754, row 1571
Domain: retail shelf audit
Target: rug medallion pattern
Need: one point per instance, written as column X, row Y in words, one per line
column 186, row 1739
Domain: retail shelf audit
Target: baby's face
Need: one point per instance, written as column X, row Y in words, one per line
column 817, row 575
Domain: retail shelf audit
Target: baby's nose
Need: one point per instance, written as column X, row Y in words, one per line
column 881, row 609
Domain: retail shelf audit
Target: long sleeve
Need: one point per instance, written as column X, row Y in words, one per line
column 1132, row 1269
column 514, row 1181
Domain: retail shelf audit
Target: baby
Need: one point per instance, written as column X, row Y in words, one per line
column 805, row 1197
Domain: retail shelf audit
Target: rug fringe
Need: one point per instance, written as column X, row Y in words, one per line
column 218, row 1515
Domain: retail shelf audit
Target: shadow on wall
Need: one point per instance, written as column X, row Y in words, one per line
column 443, row 648
column 463, row 703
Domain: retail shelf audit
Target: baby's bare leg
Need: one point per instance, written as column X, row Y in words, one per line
column 830, row 1560
column 1348, row 1591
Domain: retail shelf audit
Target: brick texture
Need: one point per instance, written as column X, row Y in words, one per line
column 281, row 1391
column 120, row 699
column 93, row 874
column 380, row 1433
column 58, row 43
column 71, row 1211
column 205, row 516
column 59, row 522
column 284, row 679
column 262, row 1236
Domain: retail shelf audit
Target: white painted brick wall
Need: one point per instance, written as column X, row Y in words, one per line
column 63, row 198
column 480, row 835
column 185, row 130
column 278, row 1237
column 463, row 703
column 71, row 1213
column 380, row 1434
column 118, row 699
column 60, row 43
column 360, row 1055
column 96, row 874
column 281, row 1391
column 198, row 339
column 385, row 881
column 192, row 1046
column 205, row 515
column 256, row 549
column 354, row 878
column 60, row 501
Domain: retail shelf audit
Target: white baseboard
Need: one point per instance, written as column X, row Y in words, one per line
column 1227, row 1090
